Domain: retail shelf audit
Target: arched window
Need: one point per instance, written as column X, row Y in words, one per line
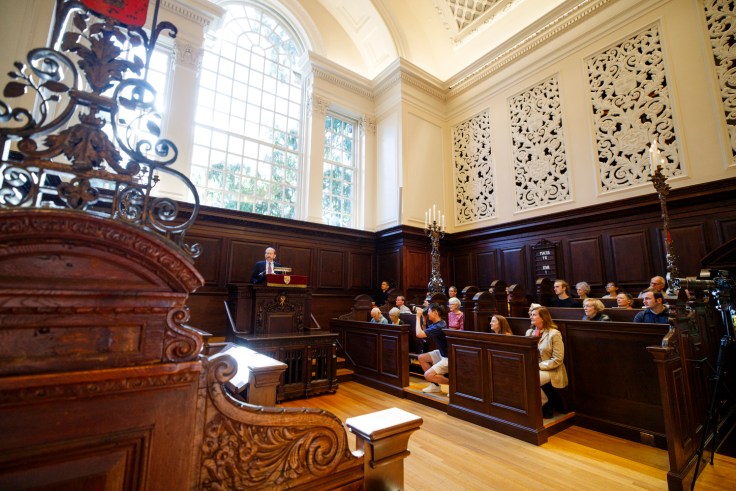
column 246, row 150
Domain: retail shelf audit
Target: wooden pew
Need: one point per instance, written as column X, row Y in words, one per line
column 494, row 383
column 258, row 376
column 500, row 290
column 518, row 303
column 361, row 310
column 603, row 359
column 377, row 353
column 467, row 305
column 567, row 313
column 484, row 308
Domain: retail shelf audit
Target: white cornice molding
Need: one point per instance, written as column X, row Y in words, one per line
column 525, row 42
column 201, row 12
column 322, row 68
column 402, row 71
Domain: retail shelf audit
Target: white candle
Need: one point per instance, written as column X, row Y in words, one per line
column 425, row 219
column 434, row 214
column 653, row 157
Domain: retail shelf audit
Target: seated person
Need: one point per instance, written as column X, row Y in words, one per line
column 655, row 311
column 611, row 290
column 434, row 363
column 499, row 325
column 551, row 355
column 400, row 304
column 624, row 301
column 262, row 268
column 583, row 290
column 455, row 318
column 452, row 292
column 377, row 316
column 656, row 284
column 594, row 310
column 380, row 298
column 395, row 315
column 562, row 290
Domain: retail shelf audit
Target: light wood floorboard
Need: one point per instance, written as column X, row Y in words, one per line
column 450, row 454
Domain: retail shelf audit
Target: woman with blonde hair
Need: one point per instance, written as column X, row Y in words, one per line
column 551, row 354
column 594, row 310
column 500, row 325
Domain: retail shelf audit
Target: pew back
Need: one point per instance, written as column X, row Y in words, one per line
column 495, row 383
column 377, row 353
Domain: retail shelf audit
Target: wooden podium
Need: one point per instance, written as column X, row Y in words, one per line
column 286, row 280
column 262, row 309
column 274, row 319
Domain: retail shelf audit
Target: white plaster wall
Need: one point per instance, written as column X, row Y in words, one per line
column 382, row 193
column 423, row 169
column 700, row 126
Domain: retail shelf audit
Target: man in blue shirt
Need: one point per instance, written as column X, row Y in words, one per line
column 655, row 312
column 433, row 363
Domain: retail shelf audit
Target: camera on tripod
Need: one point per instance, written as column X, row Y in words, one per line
column 715, row 281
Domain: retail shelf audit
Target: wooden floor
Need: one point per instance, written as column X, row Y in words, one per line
column 450, row 454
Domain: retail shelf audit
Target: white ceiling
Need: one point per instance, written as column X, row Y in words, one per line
column 442, row 37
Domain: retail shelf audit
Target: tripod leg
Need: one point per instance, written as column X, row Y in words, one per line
column 711, row 411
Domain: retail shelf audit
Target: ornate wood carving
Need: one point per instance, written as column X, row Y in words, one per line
column 247, row 447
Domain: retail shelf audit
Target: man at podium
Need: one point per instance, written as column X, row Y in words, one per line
column 267, row 266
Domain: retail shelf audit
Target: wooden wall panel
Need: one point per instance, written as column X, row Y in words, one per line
column 299, row 259
column 585, row 261
column 726, row 230
column 462, row 271
column 505, row 389
column 331, row 269
column 690, row 247
column 487, row 269
column 242, row 256
column 629, row 252
column 514, row 264
column 389, row 267
column 417, row 269
column 209, row 263
column 360, row 271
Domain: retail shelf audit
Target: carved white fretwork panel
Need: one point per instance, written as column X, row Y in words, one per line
column 631, row 107
column 719, row 16
column 541, row 176
column 473, row 162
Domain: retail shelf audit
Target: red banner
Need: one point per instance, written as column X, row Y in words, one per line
column 130, row 12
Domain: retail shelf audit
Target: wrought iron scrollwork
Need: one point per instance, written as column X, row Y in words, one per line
column 93, row 140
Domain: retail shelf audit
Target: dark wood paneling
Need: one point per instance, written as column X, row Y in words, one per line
column 242, row 256
column 331, row 269
column 417, row 269
column 514, row 263
column 631, row 262
column 487, row 269
column 585, row 264
column 209, row 264
column 360, row 272
column 689, row 247
column 462, row 268
column 299, row 259
column 726, row 230
column 505, row 389
column 469, row 380
column 389, row 267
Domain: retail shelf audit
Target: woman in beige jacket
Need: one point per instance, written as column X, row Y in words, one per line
column 551, row 350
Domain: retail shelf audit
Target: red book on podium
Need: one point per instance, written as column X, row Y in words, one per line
column 287, row 280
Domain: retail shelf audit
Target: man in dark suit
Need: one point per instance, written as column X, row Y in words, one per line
column 261, row 268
